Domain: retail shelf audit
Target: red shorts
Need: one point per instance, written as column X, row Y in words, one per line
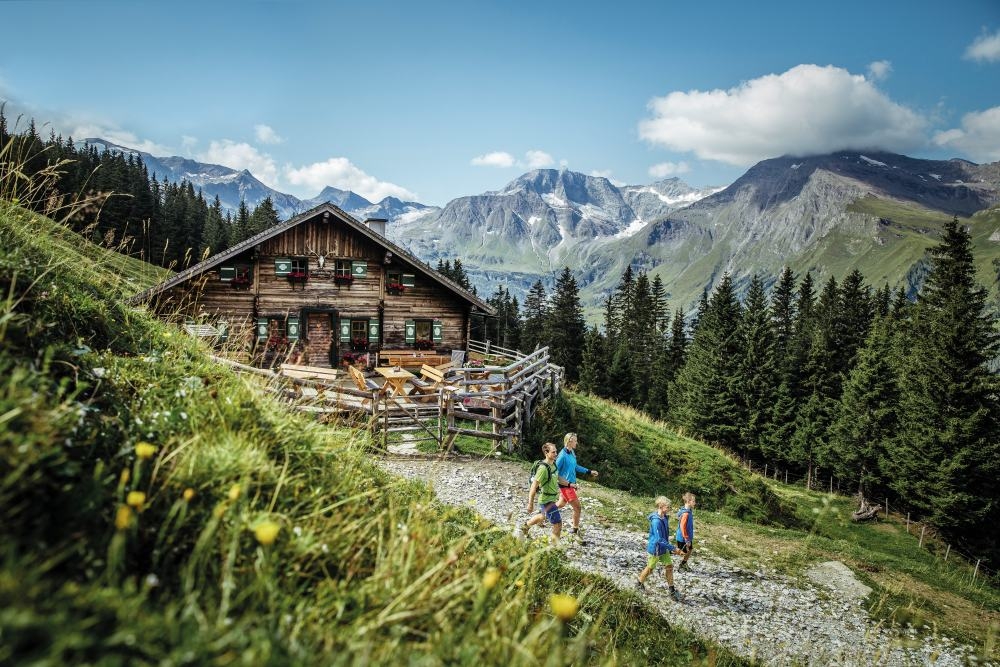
column 568, row 493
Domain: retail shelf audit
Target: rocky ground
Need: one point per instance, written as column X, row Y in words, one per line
column 758, row 614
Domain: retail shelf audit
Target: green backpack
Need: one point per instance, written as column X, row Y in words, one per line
column 534, row 469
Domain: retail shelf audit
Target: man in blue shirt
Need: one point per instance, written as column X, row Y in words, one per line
column 568, row 468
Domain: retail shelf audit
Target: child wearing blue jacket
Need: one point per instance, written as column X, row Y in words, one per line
column 658, row 547
column 685, row 528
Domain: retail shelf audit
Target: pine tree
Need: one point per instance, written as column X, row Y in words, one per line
column 946, row 458
column 565, row 326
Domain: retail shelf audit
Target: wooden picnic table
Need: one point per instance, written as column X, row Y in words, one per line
column 396, row 377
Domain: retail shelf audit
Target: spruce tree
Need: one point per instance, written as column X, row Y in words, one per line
column 869, row 412
column 758, row 376
column 946, row 458
column 565, row 326
column 593, row 368
column 708, row 402
column 536, row 314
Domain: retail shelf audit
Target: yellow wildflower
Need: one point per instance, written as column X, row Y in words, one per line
column 234, row 492
column 491, row 577
column 266, row 532
column 564, row 606
column 123, row 517
column 188, row 494
column 124, row 477
column 135, row 499
column 144, row 450
column 519, row 583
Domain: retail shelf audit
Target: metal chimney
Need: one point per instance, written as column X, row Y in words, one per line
column 377, row 225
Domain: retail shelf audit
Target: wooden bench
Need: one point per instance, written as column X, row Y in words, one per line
column 430, row 381
column 310, row 372
column 406, row 359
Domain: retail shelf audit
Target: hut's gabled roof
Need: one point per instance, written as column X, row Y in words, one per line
column 323, row 210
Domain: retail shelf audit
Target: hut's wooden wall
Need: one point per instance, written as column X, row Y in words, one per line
column 270, row 295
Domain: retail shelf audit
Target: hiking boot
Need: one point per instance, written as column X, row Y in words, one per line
column 639, row 586
column 675, row 594
column 683, row 565
column 524, row 530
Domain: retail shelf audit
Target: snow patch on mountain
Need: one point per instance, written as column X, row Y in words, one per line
column 874, row 163
column 633, row 228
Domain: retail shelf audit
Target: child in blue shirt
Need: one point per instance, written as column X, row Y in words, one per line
column 659, row 548
column 685, row 528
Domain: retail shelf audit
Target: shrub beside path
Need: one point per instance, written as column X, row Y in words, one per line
column 758, row 614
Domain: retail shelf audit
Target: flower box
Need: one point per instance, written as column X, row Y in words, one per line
column 241, row 282
column 343, row 279
column 395, row 288
column 423, row 344
column 359, row 344
column 297, row 277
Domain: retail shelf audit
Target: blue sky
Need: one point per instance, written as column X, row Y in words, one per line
column 432, row 101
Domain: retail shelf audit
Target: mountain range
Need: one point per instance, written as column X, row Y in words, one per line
column 829, row 214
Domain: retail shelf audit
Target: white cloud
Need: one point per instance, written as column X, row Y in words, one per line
column 564, row 163
column 266, row 135
column 986, row 48
column 806, row 110
column 341, row 173
column 494, row 159
column 533, row 159
column 667, row 169
column 979, row 136
column 241, row 156
column 606, row 173
column 86, row 130
column 879, row 70
column 188, row 143
column 538, row 159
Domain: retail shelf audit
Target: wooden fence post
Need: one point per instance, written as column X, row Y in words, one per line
column 946, row 552
column 976, row 571
column 922, row 529
column 765, row 470
column 831, row 485
column 907, row 522
column 886, row 508
column 786, row 477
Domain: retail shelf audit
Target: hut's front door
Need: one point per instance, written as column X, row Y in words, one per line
column 321, row 348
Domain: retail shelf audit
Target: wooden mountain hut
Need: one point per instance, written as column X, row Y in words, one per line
column 320, row 289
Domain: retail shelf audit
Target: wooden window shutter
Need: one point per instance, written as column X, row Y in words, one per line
column 262, row 327
column 373, row 330
column 437, row 328
column 359, row 268
column 293, row 328
column 410, row 331
column 345, row 331
column 223, row 328
column 282, row 266
column 227, row 273
column 408, row 280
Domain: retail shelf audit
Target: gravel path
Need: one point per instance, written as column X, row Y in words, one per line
column 761, row 615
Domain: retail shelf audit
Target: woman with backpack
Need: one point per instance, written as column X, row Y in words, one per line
column 659, row 548
column 546, row 480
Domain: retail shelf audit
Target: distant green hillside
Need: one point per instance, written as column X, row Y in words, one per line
column 158, row 510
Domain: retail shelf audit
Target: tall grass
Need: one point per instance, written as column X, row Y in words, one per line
column 157, row 509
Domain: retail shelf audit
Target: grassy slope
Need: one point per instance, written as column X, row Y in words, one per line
column 755, row 521
column 365, row 568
